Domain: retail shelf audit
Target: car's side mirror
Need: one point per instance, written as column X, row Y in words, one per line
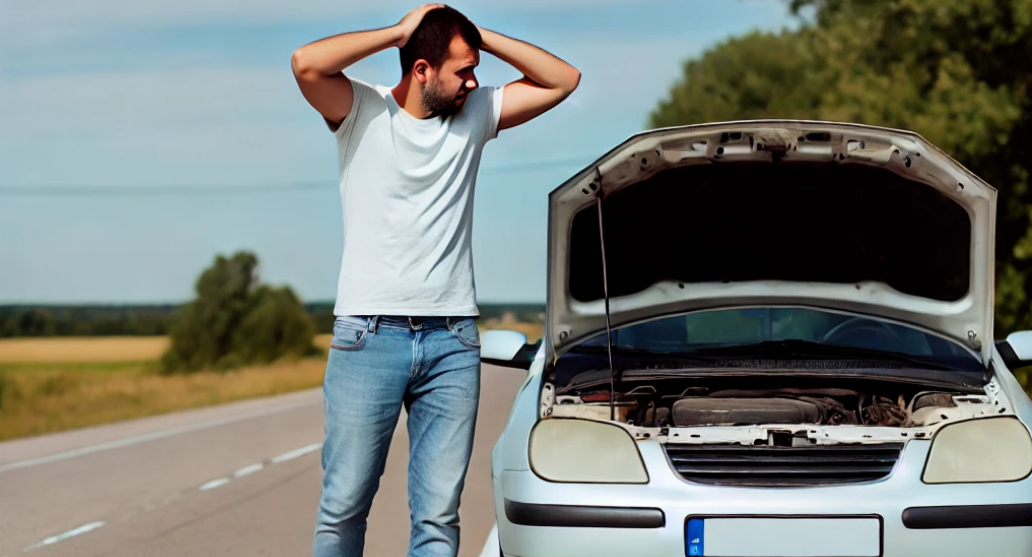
column 1016, row 351
column 506, row 348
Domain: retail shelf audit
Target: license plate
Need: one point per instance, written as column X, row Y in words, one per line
column 770, row 536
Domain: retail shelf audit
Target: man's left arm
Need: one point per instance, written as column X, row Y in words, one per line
column 546, row 82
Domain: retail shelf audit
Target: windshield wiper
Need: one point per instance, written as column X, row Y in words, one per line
column 805, row 349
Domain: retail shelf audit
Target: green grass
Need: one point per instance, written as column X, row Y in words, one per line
column 39, row 398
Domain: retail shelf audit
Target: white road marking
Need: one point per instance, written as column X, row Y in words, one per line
column 71, row 533
column 491, row 546
column 248, row 470
column 214, row 483
column 143, row 438
column 296, row 453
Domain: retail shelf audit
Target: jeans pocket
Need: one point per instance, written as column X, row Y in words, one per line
column 348, row 335
column 467, row 333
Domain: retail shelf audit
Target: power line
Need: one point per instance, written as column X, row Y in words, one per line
column 215, row 189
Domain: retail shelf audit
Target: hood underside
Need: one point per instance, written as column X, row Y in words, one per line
column 862, row 219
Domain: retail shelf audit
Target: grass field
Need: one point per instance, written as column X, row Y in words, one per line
column 55, row 384
column 37, row 398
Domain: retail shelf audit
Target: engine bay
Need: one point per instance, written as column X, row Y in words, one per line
column 773, row 402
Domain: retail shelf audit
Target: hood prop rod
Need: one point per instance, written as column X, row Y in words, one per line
column 605, row 291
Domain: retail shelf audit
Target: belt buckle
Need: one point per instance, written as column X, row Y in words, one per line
column 416, row 323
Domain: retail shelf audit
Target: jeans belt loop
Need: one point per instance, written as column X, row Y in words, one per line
column 414, row 326
column 374, row 324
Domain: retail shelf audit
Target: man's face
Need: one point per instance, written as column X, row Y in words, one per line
column 446, row 90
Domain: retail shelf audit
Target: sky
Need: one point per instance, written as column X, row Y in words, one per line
column 141, row 139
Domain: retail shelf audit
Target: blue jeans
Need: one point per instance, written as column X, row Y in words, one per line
column 375, row 366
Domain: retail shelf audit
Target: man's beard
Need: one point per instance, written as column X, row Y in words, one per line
column 435, row 102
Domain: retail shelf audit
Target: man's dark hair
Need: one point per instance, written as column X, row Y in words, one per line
column 432, row 38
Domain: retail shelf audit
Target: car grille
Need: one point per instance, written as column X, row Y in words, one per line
column 756, row 465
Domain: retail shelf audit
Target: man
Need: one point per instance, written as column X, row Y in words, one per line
column 405, row 332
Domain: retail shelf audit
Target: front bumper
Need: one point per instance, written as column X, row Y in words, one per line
column 539, row 518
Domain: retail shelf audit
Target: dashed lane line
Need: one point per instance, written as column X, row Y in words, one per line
column 248, row 470
column 214, row 483
column 296, row 453
column 69, row 534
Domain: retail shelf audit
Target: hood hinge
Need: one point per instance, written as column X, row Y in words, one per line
column 974, row 341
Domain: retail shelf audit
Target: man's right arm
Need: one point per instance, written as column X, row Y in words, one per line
column 317, row 66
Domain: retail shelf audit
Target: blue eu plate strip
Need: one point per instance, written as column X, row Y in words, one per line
column 696, row 535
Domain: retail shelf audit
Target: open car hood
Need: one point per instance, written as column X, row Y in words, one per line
column 862, row 219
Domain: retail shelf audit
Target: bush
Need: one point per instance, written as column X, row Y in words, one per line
column 234, row 321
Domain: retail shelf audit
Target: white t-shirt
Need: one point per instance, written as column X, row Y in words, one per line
column 406, row 187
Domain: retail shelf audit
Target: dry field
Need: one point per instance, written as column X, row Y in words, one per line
column 55, row 384
column 82, row 349
column 92, row 349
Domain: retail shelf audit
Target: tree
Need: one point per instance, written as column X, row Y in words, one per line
column 234, row 321
column 759, row 75
column 959, row 72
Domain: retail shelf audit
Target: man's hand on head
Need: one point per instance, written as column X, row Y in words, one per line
column 547, row 80
column 408, row 24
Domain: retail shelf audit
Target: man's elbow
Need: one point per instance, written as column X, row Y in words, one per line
column 301, row 65
column 571, row 82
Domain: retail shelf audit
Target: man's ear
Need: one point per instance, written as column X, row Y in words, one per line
column 422, row 71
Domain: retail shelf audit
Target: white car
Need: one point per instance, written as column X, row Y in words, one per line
column 801, row 359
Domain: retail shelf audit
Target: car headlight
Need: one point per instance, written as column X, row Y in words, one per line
column 980, row 451
column 582, row 451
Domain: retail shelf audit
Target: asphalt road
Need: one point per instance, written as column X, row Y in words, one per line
column 241, row 479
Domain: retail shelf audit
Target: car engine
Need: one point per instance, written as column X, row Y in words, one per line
column 696, row 406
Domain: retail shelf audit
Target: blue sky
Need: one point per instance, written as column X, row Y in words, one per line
column 198, row 93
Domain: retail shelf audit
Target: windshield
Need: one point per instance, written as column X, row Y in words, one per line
column 729, row 328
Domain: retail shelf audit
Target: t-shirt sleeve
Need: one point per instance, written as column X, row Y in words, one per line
column 360, row 101
column 491, row 111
